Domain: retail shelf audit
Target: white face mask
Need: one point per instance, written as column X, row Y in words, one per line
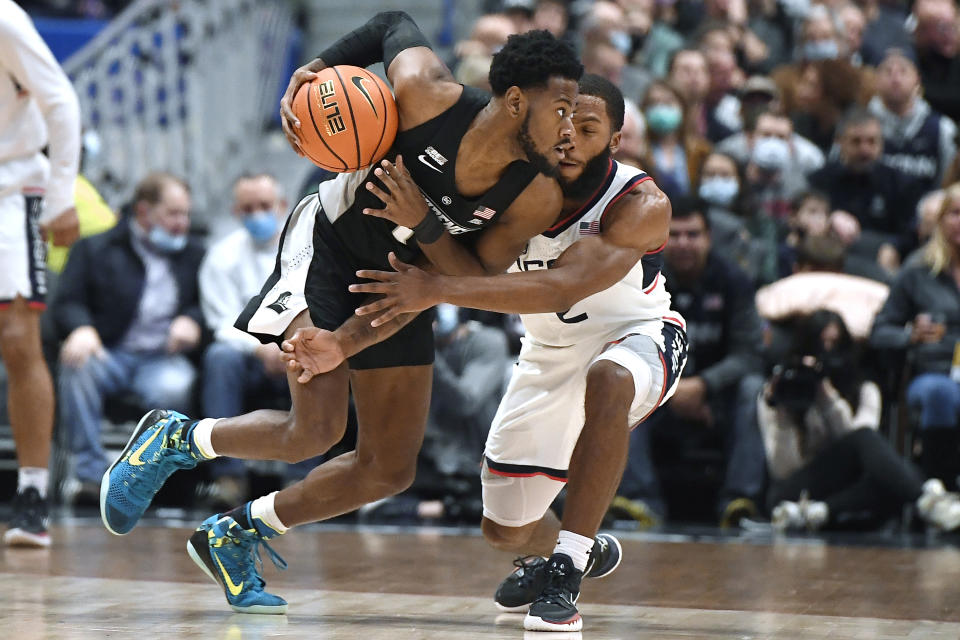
column 719, row 190
column 821, row 50
column 772, row 154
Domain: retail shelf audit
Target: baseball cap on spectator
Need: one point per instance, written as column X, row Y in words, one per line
column 760, row 86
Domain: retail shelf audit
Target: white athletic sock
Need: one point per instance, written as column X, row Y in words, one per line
column 35, row 477
column 202, row 433
column 575, row 546
column 262, row 508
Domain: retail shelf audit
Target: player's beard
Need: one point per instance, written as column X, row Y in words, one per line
column 539, row 161
column 590, row 180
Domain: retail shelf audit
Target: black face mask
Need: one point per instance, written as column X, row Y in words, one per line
column 591, row 178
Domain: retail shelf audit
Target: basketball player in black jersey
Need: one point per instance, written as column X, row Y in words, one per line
column 482, row 163
column 634, row 227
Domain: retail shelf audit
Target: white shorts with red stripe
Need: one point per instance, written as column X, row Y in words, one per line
column 542, row 413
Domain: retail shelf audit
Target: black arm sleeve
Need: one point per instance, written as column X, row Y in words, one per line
column 380, row 40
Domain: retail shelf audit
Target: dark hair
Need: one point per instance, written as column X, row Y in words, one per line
column 854, row 118
column 840, row 365
column 673, row 57
column 689, row 206
column 150, row 188
column 530, row 59
column 809, row 194
column 821, row 253
column 593, row 85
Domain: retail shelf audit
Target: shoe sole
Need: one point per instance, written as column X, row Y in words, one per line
column 521, row 609
column 257, row 608
column 619, row 547
column 533, row 623
column 105, row 480
column 21, row 538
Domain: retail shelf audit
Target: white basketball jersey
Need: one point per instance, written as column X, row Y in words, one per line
column 639, row 297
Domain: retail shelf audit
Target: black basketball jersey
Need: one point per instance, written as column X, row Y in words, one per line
column 429, row 152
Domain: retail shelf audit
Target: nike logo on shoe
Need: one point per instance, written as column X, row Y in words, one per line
column 135, row 457
column 423, row 158
column 234, row 589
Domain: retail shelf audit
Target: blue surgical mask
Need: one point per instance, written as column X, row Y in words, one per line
column 664, row 118
column 772, row 154
column 621, row 40
column 719, row 191
column 262, row 225
column 162, row 240
column 821, row 50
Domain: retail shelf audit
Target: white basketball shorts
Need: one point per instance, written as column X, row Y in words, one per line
column 541, row 415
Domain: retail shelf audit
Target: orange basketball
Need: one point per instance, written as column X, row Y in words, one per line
column 348, row 118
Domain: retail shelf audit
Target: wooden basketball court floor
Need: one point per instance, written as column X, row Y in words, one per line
column 381, row 583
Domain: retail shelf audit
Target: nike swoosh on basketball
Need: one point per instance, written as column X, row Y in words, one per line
column 358, row 83
column 135, row 458
column 235, row 589
column 423, row 158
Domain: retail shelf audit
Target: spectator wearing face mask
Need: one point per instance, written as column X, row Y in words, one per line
column 772, row 176
column 917, row 140
column 241, row 368
column 128, row 308
column 676, row 154
column 882, row 199
column 766, row 121
column 749, row 240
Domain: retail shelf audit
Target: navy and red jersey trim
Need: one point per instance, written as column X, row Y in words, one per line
column 564, row 224
column 624, row 190
column 524, row 470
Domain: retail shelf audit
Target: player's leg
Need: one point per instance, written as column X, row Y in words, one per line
column 29, row 387
column 30, row 406
column 165, row 441
column 624, row 384
column 392, row 405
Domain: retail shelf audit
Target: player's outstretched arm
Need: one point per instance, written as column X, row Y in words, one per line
column 638, row 223
column 423, row 84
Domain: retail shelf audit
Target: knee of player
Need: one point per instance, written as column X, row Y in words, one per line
column 388, row 479
column 611, row 380
column 502, row 537
column 18, row 341
column 310, row 435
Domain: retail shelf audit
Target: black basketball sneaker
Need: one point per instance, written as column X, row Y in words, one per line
column 28, row 526
column 521, row 587
column 555, row 609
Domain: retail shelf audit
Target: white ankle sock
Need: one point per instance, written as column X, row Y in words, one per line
column 576, row 546
column 35, row 477
column 202, row 434
column 262, row 508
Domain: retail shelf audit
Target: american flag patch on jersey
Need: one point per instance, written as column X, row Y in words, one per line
column 590, row 228
column 484, row 212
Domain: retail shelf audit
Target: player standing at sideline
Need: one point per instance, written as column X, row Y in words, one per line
column 602, row 351
column 38, row 108
column 481, row 162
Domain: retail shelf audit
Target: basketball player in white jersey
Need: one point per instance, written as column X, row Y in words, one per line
column 603, row 350
column 38, row 108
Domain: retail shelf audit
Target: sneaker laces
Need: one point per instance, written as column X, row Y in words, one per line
column 528, row 564
column 247, row 543
column 558, row 589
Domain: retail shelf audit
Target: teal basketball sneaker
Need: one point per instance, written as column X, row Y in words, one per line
column 230, row 555
column 158, row 447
